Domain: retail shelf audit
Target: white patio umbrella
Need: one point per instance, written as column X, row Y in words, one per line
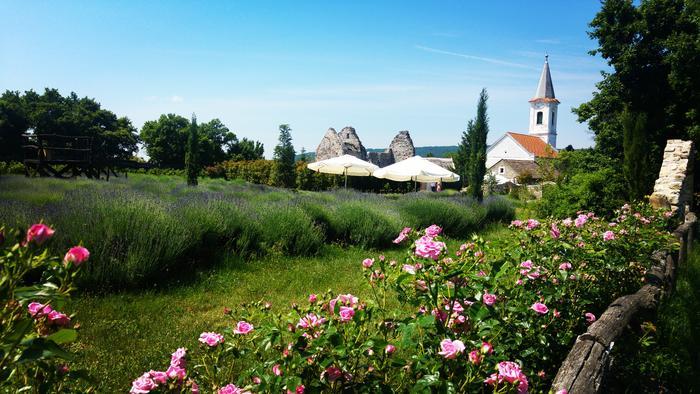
column 416, row 169
column 343, row 165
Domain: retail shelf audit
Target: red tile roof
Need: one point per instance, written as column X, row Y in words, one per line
column 534, row 145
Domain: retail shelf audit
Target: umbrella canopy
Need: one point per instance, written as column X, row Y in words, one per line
column 416, row 169
column 343, row 165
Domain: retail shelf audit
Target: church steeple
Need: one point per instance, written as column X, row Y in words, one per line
column 543, row 108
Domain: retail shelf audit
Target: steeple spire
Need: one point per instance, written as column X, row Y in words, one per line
column 545, row 89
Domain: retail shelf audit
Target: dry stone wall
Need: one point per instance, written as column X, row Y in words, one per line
column 674, row 188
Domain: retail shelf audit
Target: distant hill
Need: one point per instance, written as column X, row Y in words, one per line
column 436, row 151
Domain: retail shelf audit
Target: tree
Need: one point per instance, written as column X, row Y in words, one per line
column 640, row 178
column 14, row 122
column 165, row 140
column 477, row 132
column 284, row 158
column 216, row 141
column 305, row 177
column 191, row 156
column 654, row 50
column 246, row 149
column 461, row 158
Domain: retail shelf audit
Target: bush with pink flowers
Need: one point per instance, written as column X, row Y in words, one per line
column 34, row 326
column 495, row 316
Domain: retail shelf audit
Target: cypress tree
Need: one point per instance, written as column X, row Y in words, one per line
column 636, row 161
column 477, row 132
column 192, row 153
column 284, row 175
column 461, row 158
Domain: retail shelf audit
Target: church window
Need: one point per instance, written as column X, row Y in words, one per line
column 552, row 118
column 501, row 170
column 539, row 117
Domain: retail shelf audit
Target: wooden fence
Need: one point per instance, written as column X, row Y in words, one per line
column 585, row 367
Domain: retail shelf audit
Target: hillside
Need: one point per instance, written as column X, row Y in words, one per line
column 436, row 151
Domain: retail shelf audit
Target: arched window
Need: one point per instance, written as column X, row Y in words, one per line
column 501, row 170
column 539, row 117
column 552, row 119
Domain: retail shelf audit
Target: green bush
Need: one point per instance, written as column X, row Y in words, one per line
column 601, row 191
column 498, row 209
column 457, row 219
column 356, row 223
column 289, row 230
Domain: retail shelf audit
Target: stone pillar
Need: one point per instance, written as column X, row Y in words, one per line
column 674, row 188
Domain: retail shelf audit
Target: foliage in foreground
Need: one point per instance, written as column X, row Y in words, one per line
column 33, row 332
column 470, row 320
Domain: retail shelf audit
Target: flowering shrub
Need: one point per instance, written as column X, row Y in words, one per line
column 34, row 288
column 485, row 317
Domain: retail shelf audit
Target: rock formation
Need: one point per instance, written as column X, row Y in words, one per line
column 402, row 147
column 330, row 146
column 352, row 144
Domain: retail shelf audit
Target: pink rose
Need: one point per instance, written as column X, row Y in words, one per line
column 403, row 235
column 474, row 357
column 211, row 338
column 310, row 321
column 59, row 319
column 195, row 387
column 539, row 308
column 486, row 348
column 39, row 233
column 176, row 373
column 567, row 222
column 532, row 224
column 451, row 349
column 232, row 389
column 158, row 376
column 526, row 264
column 409, row 269
column 76, row 255
column 389, row 349
column 143, row 384
column 346, row 313
column 554, row 231
column 427, row 248
column 608, row 236
column 36, row 309
column 312, row 298
column 509, row 371
column 433, row 231
column 367, row 263
column 563, row 391
column 257, row 380
column 565, row 266
column 243, row 327
column 277, row 370
column 516, row 223
column 489, row 299
column 581, row 220
column 178, row 358
column 332, row 374
column 590, row 318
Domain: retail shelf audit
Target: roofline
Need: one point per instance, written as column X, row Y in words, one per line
column 507, row 133
column 544, row 100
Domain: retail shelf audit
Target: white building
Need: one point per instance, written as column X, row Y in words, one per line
column 541, row 139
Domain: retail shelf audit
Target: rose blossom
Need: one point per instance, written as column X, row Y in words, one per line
column 489, row 299
column 332, row 373
column 178, row 358
column 554, row 231
column 451, row 349
column 427, row 248
column 232, row 389
column 516, row 223
column 409, row 269
column 539, row 308
column 277, row 370
column 567, row 222
column 38, row 310
column 565, row 266
column 389, row 349
column 433, row 231
column 474, row 357
column 367, row 263
column 608, row 236
column 243, row 327
column 59, row 319
column 176, row 373
column 590, row 318
column 532, row 224
column 526, row 264
column 76, row 255
column 346, row 313
column 158, row 376
column 310, row 321
column 402, row 235
column 486, row 347
column 211, row 338
column 581, row 220
column 143, row 385
column 312, row 298
column 39, row 233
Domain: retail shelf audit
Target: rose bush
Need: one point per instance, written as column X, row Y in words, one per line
column 485, row 317
column 34, row 327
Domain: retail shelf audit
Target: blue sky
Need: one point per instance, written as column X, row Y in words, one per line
column 378, row 66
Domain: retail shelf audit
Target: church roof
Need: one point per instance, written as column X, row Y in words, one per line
column 545, row 89
column 534, row 145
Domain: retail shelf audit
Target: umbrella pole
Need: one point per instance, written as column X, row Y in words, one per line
column 346, row 179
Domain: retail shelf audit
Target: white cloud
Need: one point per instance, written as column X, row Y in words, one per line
column 177, row 99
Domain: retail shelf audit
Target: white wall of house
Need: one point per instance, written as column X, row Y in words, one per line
column 506, row 148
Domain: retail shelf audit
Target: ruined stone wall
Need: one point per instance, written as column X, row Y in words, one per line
column 674, row 188
column 347, row 142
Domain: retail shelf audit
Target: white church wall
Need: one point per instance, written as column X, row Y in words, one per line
column 506, row 148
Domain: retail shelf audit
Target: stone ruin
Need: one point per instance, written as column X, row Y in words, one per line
column 674, row 188
column 347, row 142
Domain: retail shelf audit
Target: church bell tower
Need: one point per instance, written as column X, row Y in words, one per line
column 543, row 109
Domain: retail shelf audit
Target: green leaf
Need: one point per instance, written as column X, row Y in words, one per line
column 65, row 335
column 40, row 348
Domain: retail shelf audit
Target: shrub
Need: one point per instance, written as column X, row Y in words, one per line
column 458, row 219
column 289, row 230
column 498, row 209
column 355, row 223
column 600, row 191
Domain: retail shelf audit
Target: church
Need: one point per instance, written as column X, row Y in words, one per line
column 513, row 155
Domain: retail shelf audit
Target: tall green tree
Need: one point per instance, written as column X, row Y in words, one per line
column 461, row 157
column 640, row 178
column 246, row 149
column 14, row 121
column 284, row 174
column 477, row 132
column 165, row 140
column 216, row 141
column 191, row 156
column 653, row 47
